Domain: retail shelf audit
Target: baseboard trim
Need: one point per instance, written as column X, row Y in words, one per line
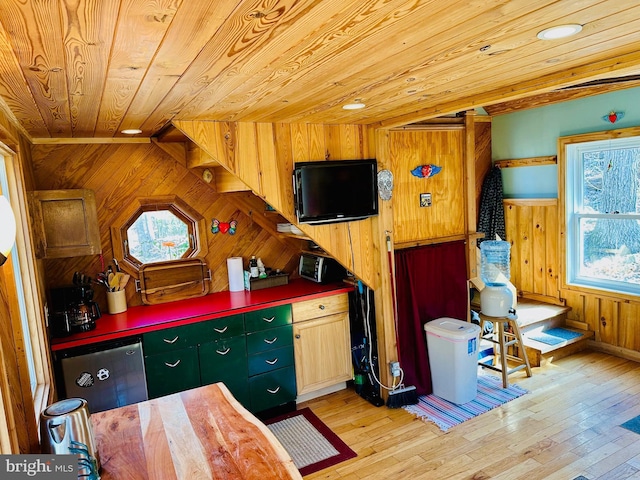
column 321, row 392
column 615, row 351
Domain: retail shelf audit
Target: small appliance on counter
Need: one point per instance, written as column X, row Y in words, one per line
column 320, row 269
column 72, row 310
column 65, row 428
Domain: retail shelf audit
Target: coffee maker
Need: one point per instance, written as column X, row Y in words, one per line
column 72, row 310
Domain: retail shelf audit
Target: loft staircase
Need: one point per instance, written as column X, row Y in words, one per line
column 536, row 317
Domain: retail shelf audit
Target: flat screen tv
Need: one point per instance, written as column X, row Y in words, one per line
column 335, row 190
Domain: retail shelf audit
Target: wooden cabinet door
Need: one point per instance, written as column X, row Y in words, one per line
column 65, row 223
column 322, row 352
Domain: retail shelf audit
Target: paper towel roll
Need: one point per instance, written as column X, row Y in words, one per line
column 236, row 275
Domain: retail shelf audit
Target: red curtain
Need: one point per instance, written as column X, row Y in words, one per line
column 431, row 282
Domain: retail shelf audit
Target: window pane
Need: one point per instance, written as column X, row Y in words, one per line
column 610, row 249
column 610, row 180
column 158, row 236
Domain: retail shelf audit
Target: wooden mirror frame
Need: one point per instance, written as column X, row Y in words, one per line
column 172, row 203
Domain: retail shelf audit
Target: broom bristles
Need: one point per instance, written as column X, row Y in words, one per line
column 402, row 396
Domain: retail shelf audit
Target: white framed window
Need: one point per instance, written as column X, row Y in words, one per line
column 602, row 214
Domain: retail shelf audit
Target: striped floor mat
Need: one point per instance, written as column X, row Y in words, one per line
column 446, row 414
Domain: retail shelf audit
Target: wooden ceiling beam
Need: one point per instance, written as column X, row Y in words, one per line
column 563, row 95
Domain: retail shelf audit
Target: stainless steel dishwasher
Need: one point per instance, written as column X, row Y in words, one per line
column 107, row 375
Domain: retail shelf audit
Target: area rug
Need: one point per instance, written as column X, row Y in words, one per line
column 446, row 414
column 554, row 336
column 310, row 443
column 633, row 425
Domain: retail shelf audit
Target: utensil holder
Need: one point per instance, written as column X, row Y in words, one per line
column 117, row 301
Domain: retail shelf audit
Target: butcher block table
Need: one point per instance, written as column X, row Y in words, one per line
column 203, row 433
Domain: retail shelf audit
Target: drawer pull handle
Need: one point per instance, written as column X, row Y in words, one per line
column 221, row 330
column 321, row 307
column 219, row 352
column 172, row 365
column 269, row 320
column 271, row 342
column 272, row 362
column 273, row 392
column 171, row 341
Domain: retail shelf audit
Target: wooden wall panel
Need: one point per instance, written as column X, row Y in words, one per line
column 532, row 228
column 118, row 174
column 293, row 143
column 445, row 217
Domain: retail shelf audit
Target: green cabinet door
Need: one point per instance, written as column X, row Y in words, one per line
column 225, row 360
column 172, row 372
column 273, row 388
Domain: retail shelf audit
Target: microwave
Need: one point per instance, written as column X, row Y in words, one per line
column 320, row 269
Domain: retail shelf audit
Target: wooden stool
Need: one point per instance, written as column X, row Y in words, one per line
column 503, row 338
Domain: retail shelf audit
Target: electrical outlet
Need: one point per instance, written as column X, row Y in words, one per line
column 394, row 368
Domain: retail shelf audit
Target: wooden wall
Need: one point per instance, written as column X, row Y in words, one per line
column 533, row 230
column 262, row 156
column 120, row 173
column 445, row 217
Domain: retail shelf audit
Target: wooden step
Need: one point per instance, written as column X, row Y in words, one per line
column 534, row 317
column 540, row 353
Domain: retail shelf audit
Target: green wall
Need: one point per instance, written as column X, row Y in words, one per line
column 535, row 132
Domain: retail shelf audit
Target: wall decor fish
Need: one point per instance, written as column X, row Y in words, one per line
column 425, row 171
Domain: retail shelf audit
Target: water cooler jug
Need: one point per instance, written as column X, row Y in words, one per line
column 496, row 299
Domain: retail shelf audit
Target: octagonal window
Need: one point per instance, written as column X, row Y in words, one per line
column 157, row 229
column 158, row 235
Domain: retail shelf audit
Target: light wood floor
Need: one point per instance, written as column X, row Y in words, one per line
column 567, row 426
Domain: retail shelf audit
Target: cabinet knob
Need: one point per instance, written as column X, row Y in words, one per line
column 321, row 307
column 297, row 335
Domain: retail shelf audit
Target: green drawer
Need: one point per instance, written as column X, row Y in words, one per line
column 270, row 360
column 172, row 372
column 224, row 327
column 263, row 340
column 272, row 389
column 171, row 339
column 267, row 318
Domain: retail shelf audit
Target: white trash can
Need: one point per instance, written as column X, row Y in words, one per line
column 453, row 357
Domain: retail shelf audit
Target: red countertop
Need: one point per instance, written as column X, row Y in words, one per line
column 148, row 318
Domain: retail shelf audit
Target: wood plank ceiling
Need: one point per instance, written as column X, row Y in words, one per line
column 91, row 68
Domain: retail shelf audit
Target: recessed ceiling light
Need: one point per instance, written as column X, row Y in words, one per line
column 353, row 106
column 559, row 31
column 131, row 131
